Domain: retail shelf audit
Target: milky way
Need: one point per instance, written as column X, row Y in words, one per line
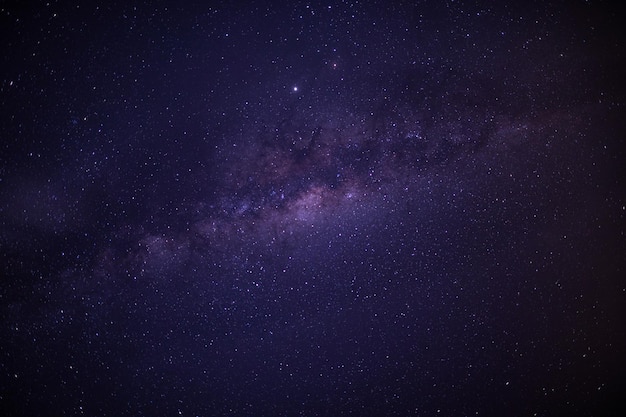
column 380, row 209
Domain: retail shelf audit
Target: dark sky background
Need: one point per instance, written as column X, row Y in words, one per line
column 312, row 209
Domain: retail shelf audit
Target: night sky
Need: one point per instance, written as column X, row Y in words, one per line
column 312, row 209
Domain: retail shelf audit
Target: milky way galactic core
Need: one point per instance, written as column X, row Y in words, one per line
column 349, row 208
